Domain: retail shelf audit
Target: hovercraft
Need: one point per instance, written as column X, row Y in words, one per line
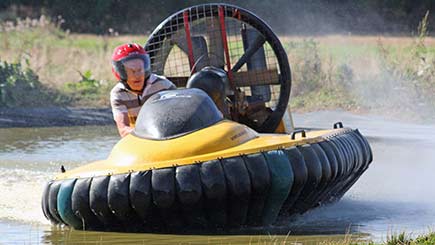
column 216, row 154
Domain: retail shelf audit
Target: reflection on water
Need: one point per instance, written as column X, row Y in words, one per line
column 395, row 194
column 56, row 235
column 45, row 149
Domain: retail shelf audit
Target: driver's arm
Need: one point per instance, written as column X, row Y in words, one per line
column 123, row 124
column 120, row 113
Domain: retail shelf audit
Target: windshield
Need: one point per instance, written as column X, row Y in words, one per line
column 174, row 113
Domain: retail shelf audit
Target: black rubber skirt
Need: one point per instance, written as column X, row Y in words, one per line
column 246, row 190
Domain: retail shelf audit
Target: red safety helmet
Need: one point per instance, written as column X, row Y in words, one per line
column 128, row 52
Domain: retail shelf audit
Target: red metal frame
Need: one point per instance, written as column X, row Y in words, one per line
column 189, row 40
column 225, row 42
column 234, row 112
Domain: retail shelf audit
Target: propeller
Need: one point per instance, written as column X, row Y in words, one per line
column 236, row 40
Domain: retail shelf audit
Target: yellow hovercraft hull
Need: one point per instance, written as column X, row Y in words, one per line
column 224, row 175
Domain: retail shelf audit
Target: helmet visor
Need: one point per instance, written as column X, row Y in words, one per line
column 134, row 67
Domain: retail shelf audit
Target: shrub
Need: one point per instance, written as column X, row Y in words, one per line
column 87, row 91
column 19, row 86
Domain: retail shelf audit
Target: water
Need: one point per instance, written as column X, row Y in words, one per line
column 394, row 195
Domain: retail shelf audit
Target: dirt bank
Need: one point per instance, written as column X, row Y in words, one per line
column 54, row 116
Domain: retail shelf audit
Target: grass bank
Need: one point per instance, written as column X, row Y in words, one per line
column 75, row 67
column 395, row 239
column 402, row 238
column 392, row 75
column 388, row 75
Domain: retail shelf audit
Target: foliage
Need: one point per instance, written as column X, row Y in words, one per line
column 20, row 86
column 86, row 85
column 426, row 239
column 87, row 91
column 399, row 239
column 405, row 239
column 394, row 239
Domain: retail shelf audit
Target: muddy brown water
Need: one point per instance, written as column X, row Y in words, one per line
column 395, row 194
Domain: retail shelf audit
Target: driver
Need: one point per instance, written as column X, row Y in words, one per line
column 131, row 66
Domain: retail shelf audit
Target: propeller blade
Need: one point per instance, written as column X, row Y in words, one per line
column 258, row 43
